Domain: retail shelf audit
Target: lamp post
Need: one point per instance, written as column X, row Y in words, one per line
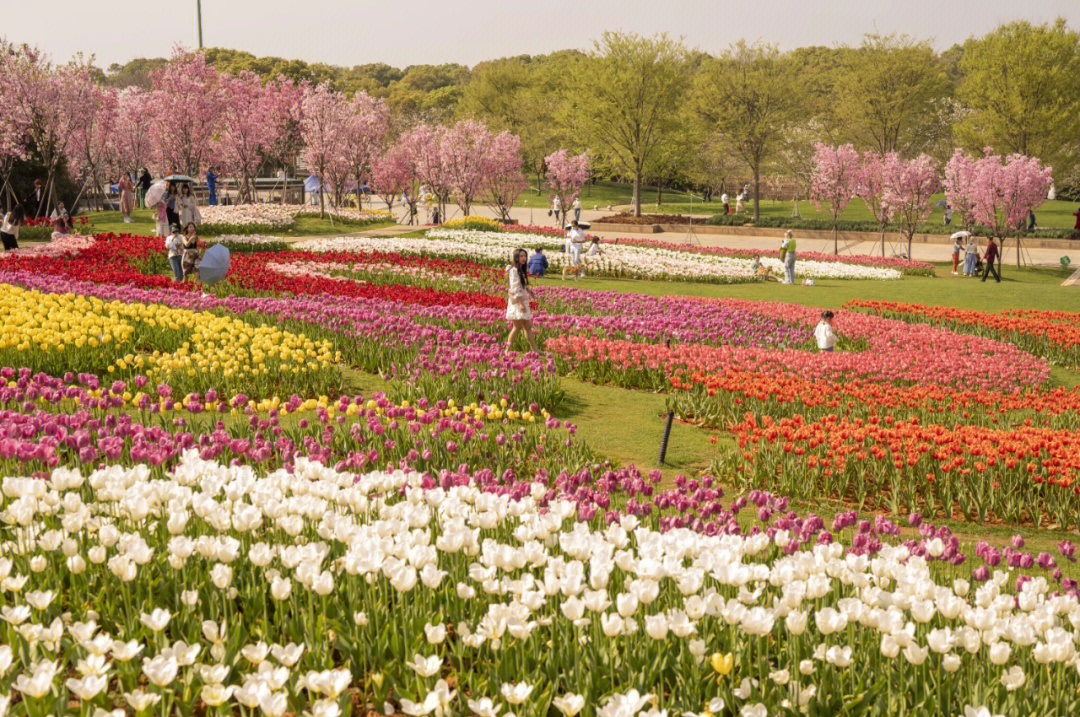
column 198, row 22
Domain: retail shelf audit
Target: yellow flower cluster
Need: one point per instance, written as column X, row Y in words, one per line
column 84, row 333
column 485, row 224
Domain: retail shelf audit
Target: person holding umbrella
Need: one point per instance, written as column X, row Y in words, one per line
column 957, row 249
column 172, row 216
column 144, row 187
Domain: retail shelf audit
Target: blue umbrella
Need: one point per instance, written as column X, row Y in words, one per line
column 311, row 184
column 214, row 265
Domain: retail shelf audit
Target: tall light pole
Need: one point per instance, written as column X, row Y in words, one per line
column 198, row 22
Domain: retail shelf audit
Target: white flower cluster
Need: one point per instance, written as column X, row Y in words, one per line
column 614, row 260
column 390, row 583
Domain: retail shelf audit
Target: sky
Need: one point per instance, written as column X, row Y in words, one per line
column 353, row 32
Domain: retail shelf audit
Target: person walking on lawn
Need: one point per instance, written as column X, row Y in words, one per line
column 990, row 257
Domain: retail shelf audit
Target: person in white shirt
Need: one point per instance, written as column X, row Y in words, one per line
column 518, row 296
column 823, row 334
column 575, row 239
column 174, row 244
column 576, row 206
column 724, row 201
column 556, row 209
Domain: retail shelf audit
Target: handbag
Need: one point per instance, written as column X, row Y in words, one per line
column 549, row 212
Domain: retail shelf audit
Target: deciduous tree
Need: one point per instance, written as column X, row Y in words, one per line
column 836, row 175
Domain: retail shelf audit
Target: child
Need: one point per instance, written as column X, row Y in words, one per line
column 761, row 271
column 823, row 334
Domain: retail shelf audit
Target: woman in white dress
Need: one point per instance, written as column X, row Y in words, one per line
column 517, row 301
column 187, row 207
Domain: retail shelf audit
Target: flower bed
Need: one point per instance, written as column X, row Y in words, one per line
column 321, row 589
column 258, row 218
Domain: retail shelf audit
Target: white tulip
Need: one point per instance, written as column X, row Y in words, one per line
column 516, row 694
column 569, row 704
column 425, row 666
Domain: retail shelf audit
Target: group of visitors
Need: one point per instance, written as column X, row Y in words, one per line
column 177, row 208
column 964, row 244
column 183, row 251
column 556, row 210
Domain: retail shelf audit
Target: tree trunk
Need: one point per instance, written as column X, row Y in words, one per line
column 757, row 192
column 882, row 240
column 637, row 194
column 835, row 240
column 909, row 236
column 322, row 203
column 659, row 195
column 1018, row 251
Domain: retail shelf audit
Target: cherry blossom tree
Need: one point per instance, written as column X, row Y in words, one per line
column 959, row 184
column 908, row 190
column 187, row 102
column 287, row 97
column 1005, row 190
column 424, row 145
column 91, row 148
column 364, row 131
column 505, row 180
column 14, row 120
column 464, row 149
column 566, row 175
column 393, row 175
column 131, row 135
column 834, row 181
column 247, row 129
column 869, row 187
column 324, row 114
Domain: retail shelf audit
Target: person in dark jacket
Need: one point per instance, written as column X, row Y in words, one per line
column 144, row 187
column 538, row 263
column 990, row 257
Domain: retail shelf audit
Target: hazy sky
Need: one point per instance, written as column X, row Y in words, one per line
column 350, row 32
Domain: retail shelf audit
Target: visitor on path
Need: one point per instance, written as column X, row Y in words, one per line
column 957, row 249
column 739, row 206
column 823, row 333
column 576, row 206
column 127, row 196
column 787, row 255
column 990, row 257
column 211, row 186
column 174, row 244
column 946, row 215
column 144, row 187
column 971, row 256
column 187, row 207
column 9, row 228
column 61, row 221
column 556, row 210
column 724, row 201
column 538, row 263
column 1031, row 221
column 575, row 241
column 518, row 312
column 189, row 258
column 169, row 200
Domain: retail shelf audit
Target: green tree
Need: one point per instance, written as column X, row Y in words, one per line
column 1020, row 92
column 749, row 97
column 627, row 100
column 890, row 96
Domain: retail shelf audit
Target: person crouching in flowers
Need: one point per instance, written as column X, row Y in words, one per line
column 823, row 333
column 517, row 301
column 189, row 258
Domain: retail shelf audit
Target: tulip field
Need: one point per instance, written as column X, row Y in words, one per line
column 325, row 487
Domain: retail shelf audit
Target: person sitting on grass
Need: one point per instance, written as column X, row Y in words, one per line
column 761, row 271
column 823, row 333
column 538, row 263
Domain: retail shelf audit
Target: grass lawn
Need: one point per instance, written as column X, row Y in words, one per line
column 143, row 225
column 604, row 194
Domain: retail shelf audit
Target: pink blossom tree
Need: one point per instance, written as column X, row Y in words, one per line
column 908, row 190
column 364, row 132
column 464, row 149
column 424, row 146
column 869, row 187
column 187, row 103
column 1005, row 190
column 247, row 129
column 131, row 136
column 834, row 181
column 324, row 114
column 505, row 179
column 288, row 99
column 959, row 186
column 14, row 120
column 566, row 175
column 393, row 175
column 90, row 151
